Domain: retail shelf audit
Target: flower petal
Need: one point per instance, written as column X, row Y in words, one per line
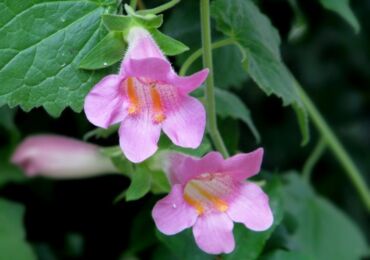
column 213, row 233
column 189, row 83
column 182, row 168
column 172, row 214
column 142, row 45
column 104, row 105
column 186, row 122
column 60, row 157
column 244, row 165
column 152, row 68
column 139, row 137
column 251, row 207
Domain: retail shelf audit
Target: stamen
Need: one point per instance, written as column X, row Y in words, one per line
column 159, row 116
column 132, row 96
column 220, row 204
column 194, row 203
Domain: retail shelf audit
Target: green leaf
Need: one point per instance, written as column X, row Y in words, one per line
column 167, row 44
column 229, row 105
column 249, row 244
column 259, row 43
column 286, row 255
column 160, row 183
column 140, row 185
column 107, row 52
column 13, row 244
column 322, row 231
column 342, row 8
column 183, row 246
column 10, row 173
column 42, row 45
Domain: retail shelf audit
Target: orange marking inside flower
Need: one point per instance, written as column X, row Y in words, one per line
column 194, row 203
column 219, row 204
column 132, row 96
column 159, row 116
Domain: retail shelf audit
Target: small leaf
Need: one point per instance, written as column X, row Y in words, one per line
column 140, row 185
column 160, row 183
column 342, row 8
column 106, row 53
column 229, row 105
column 167, row 44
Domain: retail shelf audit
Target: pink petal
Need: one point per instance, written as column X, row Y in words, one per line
column 142, row 45
column 185, row 124
column 104, row 105
column 189, row 83
column 213, row 233
column 251, row 207
column 151, row 68
column 60, row 157
column 183, row 168
column 139, row 137
column 172, row 214
column 244, row 165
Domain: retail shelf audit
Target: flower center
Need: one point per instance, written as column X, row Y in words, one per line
column 208, row 193
column 145, row 95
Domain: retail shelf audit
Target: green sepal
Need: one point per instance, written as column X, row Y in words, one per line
column 147, row 20
column 117, row 23
column 168, row 45
column 106, row 53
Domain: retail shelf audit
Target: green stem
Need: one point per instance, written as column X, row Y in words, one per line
column 198, row 53
column 313, row 159
column 336, row 147
column 161, row 8
column 207, row 63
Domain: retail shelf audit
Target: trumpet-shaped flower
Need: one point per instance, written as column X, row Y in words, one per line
column 211, row 193
column 60, row 157
column 147, row 96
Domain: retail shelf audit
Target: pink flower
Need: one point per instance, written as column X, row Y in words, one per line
column 147, row 96
column 60, row 157
column 210, row 193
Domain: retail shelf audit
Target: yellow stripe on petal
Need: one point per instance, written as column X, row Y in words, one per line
column 194, row 203
column 219, row 204
column 132, row 96
column 157, row 105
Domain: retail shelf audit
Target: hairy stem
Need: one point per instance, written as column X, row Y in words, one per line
column 313, row 159
column 207, row 63
column 337, row 148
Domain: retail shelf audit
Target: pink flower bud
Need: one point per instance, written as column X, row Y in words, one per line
column 60, row 157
